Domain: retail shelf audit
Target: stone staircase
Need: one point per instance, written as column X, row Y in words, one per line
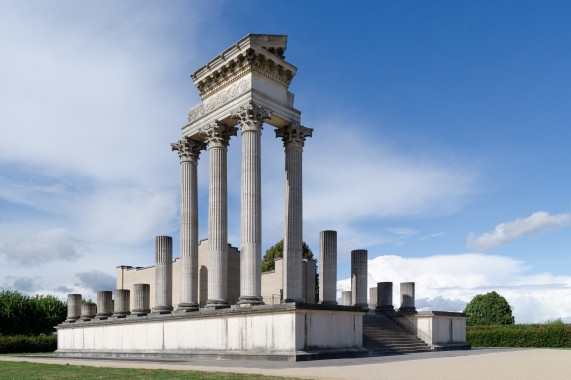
column 384, row 336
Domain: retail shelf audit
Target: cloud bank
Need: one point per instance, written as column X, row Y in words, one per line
column 506, row 233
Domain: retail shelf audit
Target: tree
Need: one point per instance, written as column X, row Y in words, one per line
column 48, row 312
column 277, row 251
column 489, row 309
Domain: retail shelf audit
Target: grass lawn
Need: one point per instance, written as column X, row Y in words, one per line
column 26, row 370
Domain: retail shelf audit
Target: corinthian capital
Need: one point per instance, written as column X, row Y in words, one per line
column 218, row 134
column 251, row 116
column 188, row 149
column 293, row 135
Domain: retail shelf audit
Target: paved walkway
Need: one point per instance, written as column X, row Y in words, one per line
column 475, row 364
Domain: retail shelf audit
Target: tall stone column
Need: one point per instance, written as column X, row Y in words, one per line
column 346, row 298
column 163, row 275
column 73, row 307
column 359, row 277
column 385, row 297
column 122, row 303
column 189, row 152
column 104, row 304
column 218, row 138
column 407, row 297
column 293, row 136
column 141, row 299
column 251, row 118
column 328, row 262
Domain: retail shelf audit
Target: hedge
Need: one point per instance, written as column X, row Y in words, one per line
column 16, row 344
column 553, row 334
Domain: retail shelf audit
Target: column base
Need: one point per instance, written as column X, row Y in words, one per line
column 121, row 314
column 140, row 312
column 385, row 309
column 250, row 301
column 216, row 304
column 407, row 310
column 329, row 303
column 288, row 300
column 187, row 307
column 162, row 310
column 363, row 305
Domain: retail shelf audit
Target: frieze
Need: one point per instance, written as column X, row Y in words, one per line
column 218, row 100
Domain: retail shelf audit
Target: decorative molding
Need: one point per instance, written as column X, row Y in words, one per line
column 188, row 149
column 251, row 117
column 218, row 134
column 294, row 135
column 217, row 101
column 246, row 62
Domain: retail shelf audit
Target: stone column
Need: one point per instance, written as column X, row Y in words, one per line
column 251, row 118
column 104, row 304
column 122, row 303
column 88, row 311
column 73, row 307
column 293, row 136
column 346, row 298
column 373, row 298
column 163, row 275
column 218, row 137
column 141, row 299
column 407, row 297
column 359, row 277
column 189, row 152
column 385, row 297
column 328, row 263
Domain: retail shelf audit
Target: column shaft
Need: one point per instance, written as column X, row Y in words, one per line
column 385, row 297
column 141, row 299
column 163, row 275
column 104, row 304
column 359, row 277
column 73, row 307
column 346, row 298
column 328, row 263
column 407, row 297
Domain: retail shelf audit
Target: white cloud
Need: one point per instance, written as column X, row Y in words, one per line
column 48, row 245
column 402, row 231
column 506, row 233
column 445, row 281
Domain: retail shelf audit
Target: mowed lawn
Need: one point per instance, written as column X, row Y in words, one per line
column 26, row 370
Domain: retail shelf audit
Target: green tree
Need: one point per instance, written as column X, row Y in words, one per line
column 48, row 312
column 277, row 251
column 489, row 309
column 15, row 312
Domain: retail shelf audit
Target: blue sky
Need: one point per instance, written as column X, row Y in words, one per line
column 441, row 140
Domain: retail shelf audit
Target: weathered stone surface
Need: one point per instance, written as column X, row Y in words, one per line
column 73, row 307
column 407, row 297
column 122, row 303
column 104, row 304
column 373, row 298
column 359, row 277
column 346, row 298
column 328, row 267
column 385, row 297
column 141, row 299
column 163, row 274
column 88, row 311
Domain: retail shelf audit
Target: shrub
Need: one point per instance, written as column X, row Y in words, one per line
column 16, row 344
column 553, row 334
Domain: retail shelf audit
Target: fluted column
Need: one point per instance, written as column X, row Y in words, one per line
column 293, row 136
column 189, row 152
column 122, row 305
column 73, row 307
column 163, row 275
column 359, row 277
column 141, row 299
column 251, row 118
column 104, row 304
column 385, row 297
column 346, row 298
column 218, row 138
column 328, row 264
column 407, row 297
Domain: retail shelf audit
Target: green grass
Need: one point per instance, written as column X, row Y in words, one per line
column 26, row 370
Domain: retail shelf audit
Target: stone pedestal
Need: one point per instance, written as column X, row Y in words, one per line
column 122, row 303
column 407, row 297
column 73, row 307
column 359, row 277
column 163, row 275
column 328, row 264
column 372, row 298
column 293, row 137
column 141, row 299
column 346, row 298
column 385, row 297
column 104, row 304
column 218, row 137
column 189, row 152
column 251, row 118
column 88, row 311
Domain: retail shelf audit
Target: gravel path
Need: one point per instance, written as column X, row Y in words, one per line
column 475, row 364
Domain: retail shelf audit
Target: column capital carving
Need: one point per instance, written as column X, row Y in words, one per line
column 251, row 117
column 294, row 135
column 188, row 149
column 218, row 134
